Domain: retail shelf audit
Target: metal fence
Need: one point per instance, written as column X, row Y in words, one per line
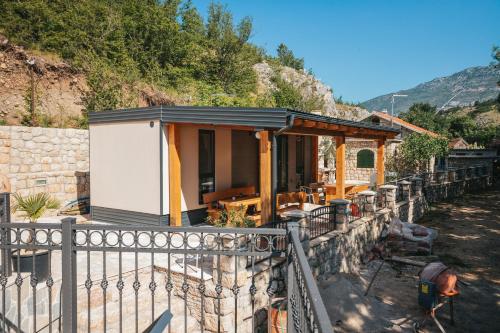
column 321, row 221
column 89, row 277
column 306, row 313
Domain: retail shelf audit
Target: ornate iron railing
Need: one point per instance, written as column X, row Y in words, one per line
column 93, row 277
column 306, row 311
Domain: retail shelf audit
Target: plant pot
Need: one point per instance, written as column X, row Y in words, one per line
column 278, row 314
column 26, row 263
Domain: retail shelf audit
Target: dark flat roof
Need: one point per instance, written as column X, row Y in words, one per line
column 237, row 116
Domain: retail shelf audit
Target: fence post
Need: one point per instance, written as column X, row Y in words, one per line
column 5, row 219
column 340, row 207
column 418, row 186
column 368, row 203
column 452, row 175
column 291, row 227
column 303, row 227
column 68, row 288
column 406, row 189
column 389, row 194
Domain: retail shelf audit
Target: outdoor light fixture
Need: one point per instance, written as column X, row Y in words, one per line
column 257, row 133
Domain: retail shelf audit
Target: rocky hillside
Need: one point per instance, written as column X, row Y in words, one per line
column 473, row 84
column 59, row 88
column 310, row 87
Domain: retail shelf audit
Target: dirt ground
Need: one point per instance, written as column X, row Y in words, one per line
column 468, row 242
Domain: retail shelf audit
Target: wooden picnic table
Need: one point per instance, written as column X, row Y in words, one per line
column 243, row 201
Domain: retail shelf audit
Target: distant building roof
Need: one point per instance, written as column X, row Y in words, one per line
column 457, row 143
column 402, row 123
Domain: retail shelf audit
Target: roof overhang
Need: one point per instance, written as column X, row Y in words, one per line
column 258, row 118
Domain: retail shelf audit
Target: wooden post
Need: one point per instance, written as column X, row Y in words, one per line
column 380, row 161
column 265, row 177
column 340, row 167
column 314, row 159
column 174, row 174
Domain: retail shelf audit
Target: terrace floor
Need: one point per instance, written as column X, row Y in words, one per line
column 468, row 241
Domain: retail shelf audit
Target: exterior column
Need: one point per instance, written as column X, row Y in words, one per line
column 174, row 174
column 301, row 218
column 340, row 167
column 265, row 177
column 368, row 206
column 340, row 207
column 380, row 161
column 451, row 175
column 314, row 158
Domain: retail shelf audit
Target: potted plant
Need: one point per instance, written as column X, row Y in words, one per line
column 32, row 207
column 232, row 218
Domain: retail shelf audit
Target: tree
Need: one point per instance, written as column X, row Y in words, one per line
column 415, row 153
column 425, row 116
column 287, row 58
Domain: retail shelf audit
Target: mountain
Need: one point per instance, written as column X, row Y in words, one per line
column 474, row 84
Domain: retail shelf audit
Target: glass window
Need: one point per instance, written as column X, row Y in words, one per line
column 365, row 159
column 206, row 162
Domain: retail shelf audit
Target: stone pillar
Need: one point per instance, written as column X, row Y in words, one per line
column 441, row 176
column 389, row 196
column 340, row 207
column 470, row 172
column 418, row 186
column 451, row 175
column 301, row 218
column 406, row 188
column 368, row 205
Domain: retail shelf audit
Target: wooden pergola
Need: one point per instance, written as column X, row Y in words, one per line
column 297, row 123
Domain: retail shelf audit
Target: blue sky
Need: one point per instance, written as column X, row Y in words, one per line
column 364, row 49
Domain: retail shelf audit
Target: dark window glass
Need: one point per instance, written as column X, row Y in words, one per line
column 299, row 160
column 282, row 151
column 206, row 162
column 365, row 159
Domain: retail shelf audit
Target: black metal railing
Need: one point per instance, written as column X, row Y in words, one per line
column 321, row 221
column 306, row 311
column 88, row 277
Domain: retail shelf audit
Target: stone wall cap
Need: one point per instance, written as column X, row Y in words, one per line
column 416, row 178
column 340, row 202
column 367, row 192
column 404, row 182
column 295, row 213
column 388, row 187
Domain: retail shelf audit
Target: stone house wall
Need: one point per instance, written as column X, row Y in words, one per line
column 49, row 160
column 352, row 149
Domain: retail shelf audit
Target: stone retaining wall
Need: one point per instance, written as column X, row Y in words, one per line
column 49, row 160
column 342, row 250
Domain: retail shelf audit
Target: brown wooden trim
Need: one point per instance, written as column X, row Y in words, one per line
column 340, row 167
column 265, row 177
column 326, row 132
column 314, row 158
column 309, row 123
column 174, row 174
column 380, row 162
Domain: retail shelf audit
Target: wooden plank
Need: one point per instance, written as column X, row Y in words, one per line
column 265, row 177
column 314, row 158
column 340, row 167
column 327, row 132
column 298, row 122
column 380, row 161
column 174, row 174
column 309, row 123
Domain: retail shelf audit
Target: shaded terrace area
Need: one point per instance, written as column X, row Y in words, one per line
column 273, row 168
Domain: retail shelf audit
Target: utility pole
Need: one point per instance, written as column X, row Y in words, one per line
column 392, row 106
column 31, row 63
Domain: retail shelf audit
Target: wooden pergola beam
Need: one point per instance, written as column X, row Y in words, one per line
column 326, row 132
column 340, row 167
column 380, row 161
column 309, row 123
column 265, row 177
column 174, row 174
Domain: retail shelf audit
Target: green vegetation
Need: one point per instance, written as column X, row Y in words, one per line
column 415, row 153
column 126, row 45
column 34, row 206
column 232, row 218
column 287, row 58
column 453, row 123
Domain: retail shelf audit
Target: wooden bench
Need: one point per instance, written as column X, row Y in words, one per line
column 289, row 201
column 211, row 199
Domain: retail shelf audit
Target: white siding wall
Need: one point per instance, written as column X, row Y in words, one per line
column 125, row 166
